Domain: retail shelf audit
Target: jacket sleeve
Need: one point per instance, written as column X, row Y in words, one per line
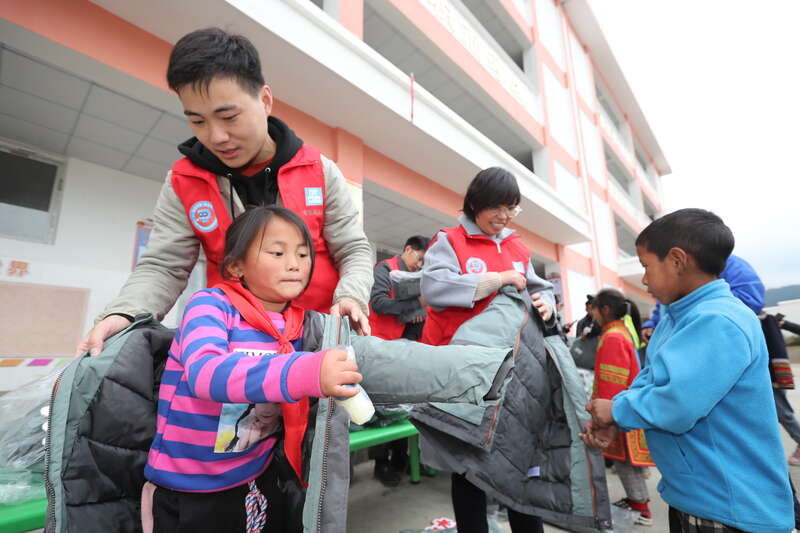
column 344, row 233
column 164, row 267
column 674, row 391
column 443, row 284
column 379, row 298
column 611, row 367
column 654, row 318
column 791, row 327
column 213, row 372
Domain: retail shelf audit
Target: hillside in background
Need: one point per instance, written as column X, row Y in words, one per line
column 773, row 296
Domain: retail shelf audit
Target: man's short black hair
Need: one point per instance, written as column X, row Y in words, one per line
column 698, row 232
column 491, row 187
column 417, row 242
column 202, row 55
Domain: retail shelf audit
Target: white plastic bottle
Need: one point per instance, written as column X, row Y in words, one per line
column 359, row 407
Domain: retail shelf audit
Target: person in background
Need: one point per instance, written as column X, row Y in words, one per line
column 616, row 366
column 743, row 281
column 396, row 312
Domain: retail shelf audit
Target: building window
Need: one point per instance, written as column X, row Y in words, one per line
column 30, row 193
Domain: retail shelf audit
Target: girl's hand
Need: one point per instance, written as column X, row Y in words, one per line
column 512, row 277
column 601, row 412
column 336, row 371
column 543, row 307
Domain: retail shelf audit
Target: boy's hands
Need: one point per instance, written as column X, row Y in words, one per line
column 600, row 431
column 336, row 371
column 601, row 412
column 598, row 437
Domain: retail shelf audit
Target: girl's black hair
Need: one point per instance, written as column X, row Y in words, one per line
column 491, row 187
column 619, row 306
column 249, row 225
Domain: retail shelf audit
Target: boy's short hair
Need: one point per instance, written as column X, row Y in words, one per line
column 202, row 55
column 418, row 243
column 698, row 232
column 491, row 187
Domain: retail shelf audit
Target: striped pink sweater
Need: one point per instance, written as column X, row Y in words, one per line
column 217, row 417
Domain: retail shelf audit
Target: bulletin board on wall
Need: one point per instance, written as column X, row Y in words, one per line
column 41, row 320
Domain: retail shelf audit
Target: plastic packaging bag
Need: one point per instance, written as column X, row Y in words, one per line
column 24, row 415
column 622, row 519
column 18, row 486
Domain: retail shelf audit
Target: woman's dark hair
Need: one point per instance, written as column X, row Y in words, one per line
column 619, row 306
column 491, row 187
column 202, row 55
column 699, row 233
column 249, row 226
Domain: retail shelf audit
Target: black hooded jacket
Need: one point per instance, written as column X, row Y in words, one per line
column 262, row 187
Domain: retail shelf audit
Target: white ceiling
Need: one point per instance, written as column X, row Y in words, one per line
column 389, row 219
column 45, row 107
column 397, row 48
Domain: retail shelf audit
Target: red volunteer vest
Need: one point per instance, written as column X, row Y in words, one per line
column 477, row 254
column 386, row 326
column 301, row 186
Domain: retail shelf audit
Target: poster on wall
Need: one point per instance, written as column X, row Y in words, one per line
column 143, row 229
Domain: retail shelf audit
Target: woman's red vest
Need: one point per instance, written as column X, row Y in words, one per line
column 387, row 326
column 301, row 186
column 477, row 254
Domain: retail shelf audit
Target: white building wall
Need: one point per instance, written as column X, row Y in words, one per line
column 595, row 159
column 579, row 286
column 548, row 19
column 559, row 113
column 582, row 67
column 569, row 187
column 604, row 226
column 94, row 239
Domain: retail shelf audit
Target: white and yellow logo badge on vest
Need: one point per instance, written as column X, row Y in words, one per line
column 476, row 265
column 313, row 196
column 203, row 217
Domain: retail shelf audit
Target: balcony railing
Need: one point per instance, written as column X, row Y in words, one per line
column 457, row 19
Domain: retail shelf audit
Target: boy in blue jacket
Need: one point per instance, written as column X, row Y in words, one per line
column 704, row 399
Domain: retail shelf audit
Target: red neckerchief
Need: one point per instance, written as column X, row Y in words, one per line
column 295, row 415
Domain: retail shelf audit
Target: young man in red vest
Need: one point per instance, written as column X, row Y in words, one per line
column 398, row 316
column 396, row 312
column 240, row 157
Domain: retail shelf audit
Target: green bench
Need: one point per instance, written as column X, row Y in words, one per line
column 366, row 438
column 29, row 515
column 22, row 516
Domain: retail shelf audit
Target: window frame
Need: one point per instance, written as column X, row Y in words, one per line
column 56, row 195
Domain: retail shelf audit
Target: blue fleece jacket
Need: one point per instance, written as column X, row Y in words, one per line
column 705, row 402
column 745, row 285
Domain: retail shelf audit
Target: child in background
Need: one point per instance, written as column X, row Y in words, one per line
column 220, row 364
column 616, row 366
column 704, row 399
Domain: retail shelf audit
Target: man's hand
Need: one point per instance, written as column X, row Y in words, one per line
column 336, row 371
column 598, row 437
column 601, row 412
column 93, row 342
column 646, row 334
column 349, row 308
column 543, row 307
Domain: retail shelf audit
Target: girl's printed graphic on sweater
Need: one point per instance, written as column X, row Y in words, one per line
column 242, row 425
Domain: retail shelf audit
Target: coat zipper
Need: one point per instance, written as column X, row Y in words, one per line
column 326, row 442
column 50, row 522
column 497, row 407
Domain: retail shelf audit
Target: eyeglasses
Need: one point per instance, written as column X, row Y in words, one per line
column 510, row 212
column 420, row 257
